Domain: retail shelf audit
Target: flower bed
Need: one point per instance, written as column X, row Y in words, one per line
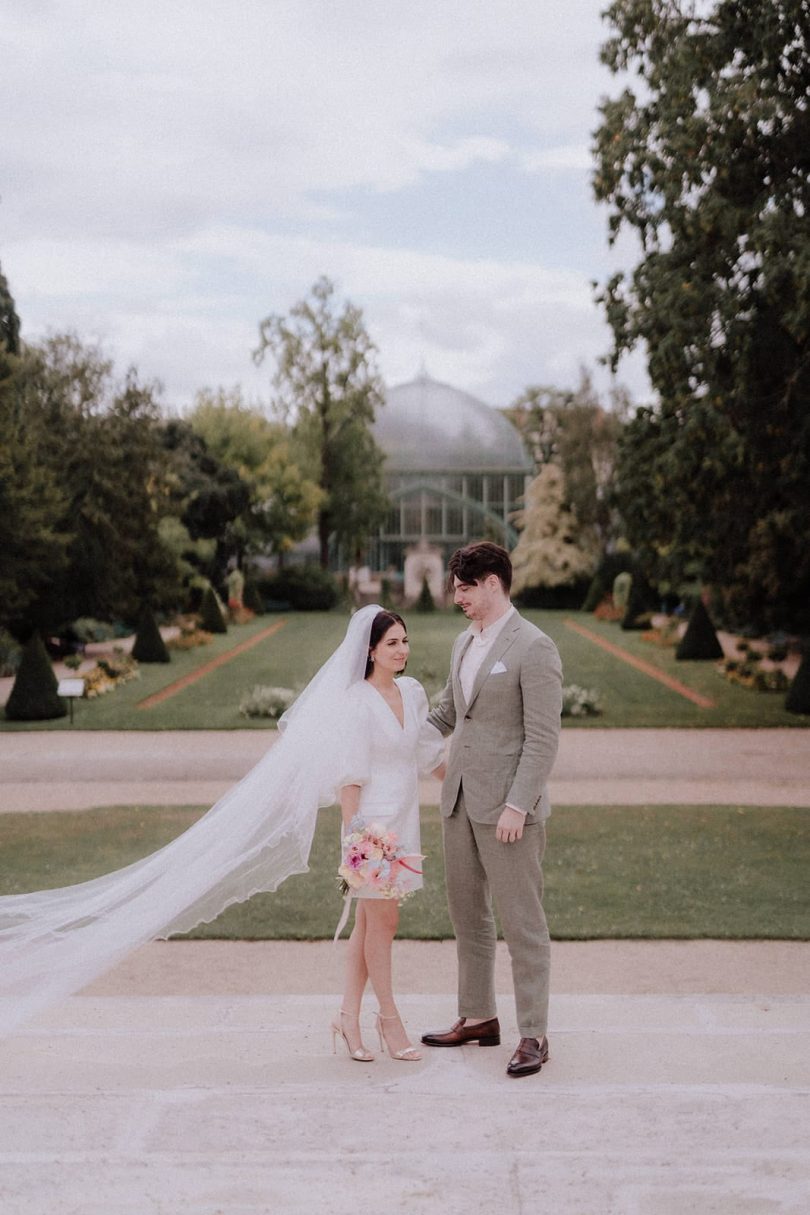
column 108, row 673
column 263, row 701
column 580, row 702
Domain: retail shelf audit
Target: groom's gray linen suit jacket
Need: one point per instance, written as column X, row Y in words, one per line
column 505, row 738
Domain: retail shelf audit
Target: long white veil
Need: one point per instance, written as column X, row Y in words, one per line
column 54, row 942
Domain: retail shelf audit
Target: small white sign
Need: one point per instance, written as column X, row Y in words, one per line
column 71, row 687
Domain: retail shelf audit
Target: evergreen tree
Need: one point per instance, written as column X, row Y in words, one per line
column 149, row 646
column 34, row 695
column 705, row 161
column 9, row 321
column 211, row 617
column 798, row 697
column 425, row 602
column 596, row 593
column 637, row 611
column 700, row 639
column 553, row 549
column 329, row 386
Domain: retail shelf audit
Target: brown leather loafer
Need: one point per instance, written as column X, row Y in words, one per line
column 528, row 1058
column 485, row 1033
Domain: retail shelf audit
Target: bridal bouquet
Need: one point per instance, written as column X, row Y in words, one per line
column 374, row 859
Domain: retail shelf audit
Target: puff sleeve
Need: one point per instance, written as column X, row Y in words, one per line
column 355, row 733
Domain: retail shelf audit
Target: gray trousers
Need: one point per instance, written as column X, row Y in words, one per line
column 478, row 869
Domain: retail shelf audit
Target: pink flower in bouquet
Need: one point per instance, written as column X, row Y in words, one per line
column 373, row 858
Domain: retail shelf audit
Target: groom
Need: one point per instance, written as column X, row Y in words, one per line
column 502, row 705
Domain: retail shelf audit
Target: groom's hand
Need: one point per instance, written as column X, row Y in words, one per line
column 510, row 826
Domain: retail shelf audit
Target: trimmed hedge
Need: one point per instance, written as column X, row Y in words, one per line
column 211, row 618
column 305, row 588
column 798, row 697
column 425, row 601
column 596, row 593
column 699, row 642
column 553, row 598
column 149, row 646
column 34, row 696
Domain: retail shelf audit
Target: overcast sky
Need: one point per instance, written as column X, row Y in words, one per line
column 174, row 170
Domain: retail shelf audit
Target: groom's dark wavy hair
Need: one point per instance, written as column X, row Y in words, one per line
column 379, row 627
column 477, row 561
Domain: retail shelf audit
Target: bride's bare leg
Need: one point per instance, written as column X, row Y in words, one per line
column 356, row 977
column 382, row 918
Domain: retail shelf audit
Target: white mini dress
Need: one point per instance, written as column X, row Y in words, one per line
column 386, row 759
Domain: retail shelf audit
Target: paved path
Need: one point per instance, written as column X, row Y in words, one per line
column 197, row 1078
column 44, row 771
column 232, row 1104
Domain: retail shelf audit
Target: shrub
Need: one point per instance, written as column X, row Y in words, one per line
column 86, row 629
column 637, row 614
column 580, row 702
column 798, row 697
column 149, row 645
column 211, row 617
column 34, row 696
column 553, row 598
column 596, row 593
column 252, row 599
column 699, row 642
column 304, row 588
column 263, row 701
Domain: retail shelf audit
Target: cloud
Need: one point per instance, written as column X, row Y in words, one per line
column 176, row 171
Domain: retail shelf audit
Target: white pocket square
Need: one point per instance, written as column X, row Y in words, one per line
column 498, row 669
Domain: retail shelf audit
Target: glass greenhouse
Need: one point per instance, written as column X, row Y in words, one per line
column 455, row 469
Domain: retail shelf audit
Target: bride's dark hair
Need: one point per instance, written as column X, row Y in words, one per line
column 379, row 627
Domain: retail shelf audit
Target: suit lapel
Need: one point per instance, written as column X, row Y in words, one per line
column 458, row 691
column 499, row 648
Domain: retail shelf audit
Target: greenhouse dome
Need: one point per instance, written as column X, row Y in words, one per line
column 455, row 470
column 426, row 425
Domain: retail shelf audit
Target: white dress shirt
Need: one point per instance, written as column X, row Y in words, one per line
column 475, row 654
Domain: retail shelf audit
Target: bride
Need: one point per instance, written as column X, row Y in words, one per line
column 357, row 735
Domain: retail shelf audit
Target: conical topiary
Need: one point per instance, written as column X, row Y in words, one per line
column 34, row 696
column 637, row 609
column 700, row 640
column 252, row 599
column 798, row 697
column 149, row 645
column 425, row 602
column 211, row 617
column 596, row 593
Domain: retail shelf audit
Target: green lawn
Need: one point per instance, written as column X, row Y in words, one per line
column 643, row 871
column 291, row 656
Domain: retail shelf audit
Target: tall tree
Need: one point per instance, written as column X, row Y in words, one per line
column 9, row 320
column 283, row 502
column 33, row 540
column 99, row 441
column 329, row 390
column 574, row 430
column 553, row 549
column 708, row 162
